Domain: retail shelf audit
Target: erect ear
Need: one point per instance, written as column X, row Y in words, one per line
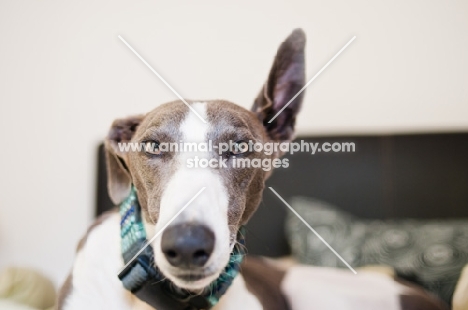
column 285, row 80
column 119, row 180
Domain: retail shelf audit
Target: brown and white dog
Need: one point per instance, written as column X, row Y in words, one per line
column 164, row 183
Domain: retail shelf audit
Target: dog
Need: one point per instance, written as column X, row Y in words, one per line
column 195, row 247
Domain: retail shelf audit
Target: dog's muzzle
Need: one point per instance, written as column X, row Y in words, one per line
column 187, row 245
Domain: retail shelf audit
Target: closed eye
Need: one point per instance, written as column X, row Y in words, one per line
column 239, row 148
column 151, row 148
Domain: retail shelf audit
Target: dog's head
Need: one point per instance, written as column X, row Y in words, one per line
column 194, row 249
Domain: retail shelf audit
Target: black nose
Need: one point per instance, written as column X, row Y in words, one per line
column 187, row 245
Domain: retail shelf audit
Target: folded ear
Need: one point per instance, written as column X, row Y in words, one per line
column 119, row 180
column 285, row 80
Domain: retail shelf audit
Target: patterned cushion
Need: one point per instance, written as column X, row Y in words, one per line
column 431, row 253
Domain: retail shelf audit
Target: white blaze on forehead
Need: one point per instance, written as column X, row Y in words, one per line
column 210, row 207
column 186, row 182
column 192, row 128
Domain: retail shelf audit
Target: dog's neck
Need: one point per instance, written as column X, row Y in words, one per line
column 146, row 281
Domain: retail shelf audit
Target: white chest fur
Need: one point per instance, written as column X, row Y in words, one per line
column 95, row 284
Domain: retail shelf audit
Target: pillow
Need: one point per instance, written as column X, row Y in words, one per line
column 26, row 287
column 11, row 305
column 431, row 253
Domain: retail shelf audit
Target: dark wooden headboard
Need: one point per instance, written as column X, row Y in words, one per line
column 397, row 176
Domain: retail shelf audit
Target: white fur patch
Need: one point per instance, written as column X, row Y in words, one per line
column 94, row 277
column 209, row 208
column 238, row 297
column 321, row 288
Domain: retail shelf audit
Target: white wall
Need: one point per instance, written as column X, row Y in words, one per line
column 64, row 76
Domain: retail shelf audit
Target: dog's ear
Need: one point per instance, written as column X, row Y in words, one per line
column 119, row 180
column 285, row 80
